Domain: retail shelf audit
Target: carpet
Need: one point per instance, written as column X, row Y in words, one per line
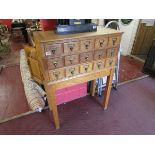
column 131, row 111
column 130, row 69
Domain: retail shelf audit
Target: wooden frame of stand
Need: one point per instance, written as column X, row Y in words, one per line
column 51, row 88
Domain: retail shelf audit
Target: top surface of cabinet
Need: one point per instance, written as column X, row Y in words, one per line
column 52, row 36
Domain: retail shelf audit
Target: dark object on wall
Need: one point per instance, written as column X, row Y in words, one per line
column 112, row 25
column 149, row 66
column 69, row 26
column 18, row 31
column 126, row 21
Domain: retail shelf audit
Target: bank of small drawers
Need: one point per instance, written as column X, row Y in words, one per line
column 71, row 57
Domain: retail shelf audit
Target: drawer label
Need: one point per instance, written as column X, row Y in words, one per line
column 48, row 53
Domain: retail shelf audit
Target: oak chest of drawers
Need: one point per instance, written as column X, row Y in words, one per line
column 66, row 60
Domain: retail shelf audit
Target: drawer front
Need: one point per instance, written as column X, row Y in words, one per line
column 71, row 47
column 114, row 41
column 71, row 60
column 99, row 65
column 56, row 74
column 86, row 57
column 112, row 52
column 72, row 71
column 110, row 62
column 52, row 50
column 101, row 43
column 99, row 54
column 86, row 45
column 86, row 68
column 54, row 63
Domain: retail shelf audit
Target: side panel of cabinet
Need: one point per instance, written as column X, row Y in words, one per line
column 35, row 70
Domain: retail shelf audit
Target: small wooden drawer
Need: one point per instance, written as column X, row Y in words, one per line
column 114, row 41
column 71, row 47
column 72, row 71
column 110, row 62
column 101, row 43
column 99, row 65
column 99, row 54
column 86, row 68
column 71, row 60
column 86, row 57
column 86, row 45
column 112, row 52
column 56, row 74
column 52, row 50
column 54, row 63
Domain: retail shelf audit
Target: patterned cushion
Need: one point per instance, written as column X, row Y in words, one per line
column 34, row 93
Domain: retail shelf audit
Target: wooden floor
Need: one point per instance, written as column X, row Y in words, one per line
column 12, row 96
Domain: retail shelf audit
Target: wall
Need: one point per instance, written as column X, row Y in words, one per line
column 128, row 36
column 6, row 22
column 48, row 24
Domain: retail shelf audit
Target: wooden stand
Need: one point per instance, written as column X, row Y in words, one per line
column 52, row 87
column 65, row 60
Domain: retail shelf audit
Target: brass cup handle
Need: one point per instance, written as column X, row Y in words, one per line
column 99, row 65
column 55, row 63
column 72, row 71
column 110, row 63
column 86, row 68
column 71, row 61
column 114, row 41
column 101, row 44
column 86, row 58
column 86, row 46
column 56, row 74
column 71, row 47
column 112, row 53
column 53, row 51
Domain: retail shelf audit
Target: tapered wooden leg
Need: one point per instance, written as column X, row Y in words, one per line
column 108, row 89
column 93, row 86
column 52, row 104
